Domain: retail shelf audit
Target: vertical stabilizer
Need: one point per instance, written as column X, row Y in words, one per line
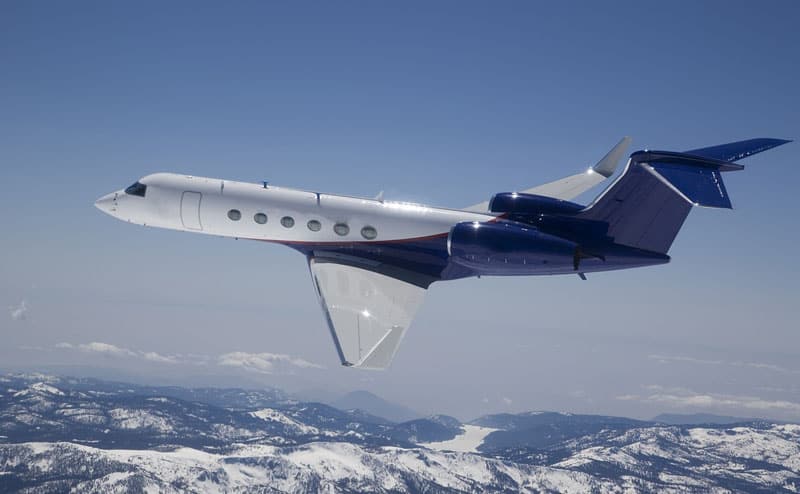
column 647, row 205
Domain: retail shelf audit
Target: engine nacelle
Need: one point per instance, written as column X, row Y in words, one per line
column 531, row 204
column 505, row 247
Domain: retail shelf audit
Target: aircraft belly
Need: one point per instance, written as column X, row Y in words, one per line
column 520, row 265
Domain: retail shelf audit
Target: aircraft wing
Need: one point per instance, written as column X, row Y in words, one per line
column 571, row 187
column 367, row 312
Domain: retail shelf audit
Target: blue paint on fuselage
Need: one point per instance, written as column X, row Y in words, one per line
column 425, row 260
column 419, row 261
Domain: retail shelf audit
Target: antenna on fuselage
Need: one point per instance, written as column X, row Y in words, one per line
column 266, row 184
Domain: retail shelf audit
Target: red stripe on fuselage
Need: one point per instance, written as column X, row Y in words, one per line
column 370, row 242
column 346, row 242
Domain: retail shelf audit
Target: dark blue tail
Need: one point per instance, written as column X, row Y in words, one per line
column 647, row 205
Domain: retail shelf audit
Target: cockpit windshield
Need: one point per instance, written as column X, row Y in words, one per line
column 137, row 189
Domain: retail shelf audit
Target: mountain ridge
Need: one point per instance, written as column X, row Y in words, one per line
column 375, row 405
column 59, row 434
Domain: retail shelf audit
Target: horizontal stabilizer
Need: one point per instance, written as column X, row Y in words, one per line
column 734, row 151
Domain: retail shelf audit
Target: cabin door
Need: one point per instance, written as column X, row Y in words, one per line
column 190, row 210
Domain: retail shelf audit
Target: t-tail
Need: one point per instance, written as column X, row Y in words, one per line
column 647, row 205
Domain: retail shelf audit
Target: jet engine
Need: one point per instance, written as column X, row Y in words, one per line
column 515, row 203
column 505, row 247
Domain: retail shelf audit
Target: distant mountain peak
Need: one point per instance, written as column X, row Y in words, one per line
column 445, row 420
column 40, row 388
column 375, row 405
column 699, row 419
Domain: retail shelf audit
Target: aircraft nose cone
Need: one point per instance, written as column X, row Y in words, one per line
column 107, row 203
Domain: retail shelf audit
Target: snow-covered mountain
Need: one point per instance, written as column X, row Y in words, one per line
column 364, row 400
column 62, row 434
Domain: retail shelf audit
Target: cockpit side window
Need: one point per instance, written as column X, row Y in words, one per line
column 137, row 189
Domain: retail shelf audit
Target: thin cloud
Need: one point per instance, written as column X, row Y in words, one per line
column 157, row 357
column 665, row 359
column 686, row 398
column 19, row 312
column 101, row 348
column 263, row 363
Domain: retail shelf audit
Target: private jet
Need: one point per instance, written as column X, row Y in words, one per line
column 372, row 260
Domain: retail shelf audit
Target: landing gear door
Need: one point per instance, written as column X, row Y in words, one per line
column 190, row 210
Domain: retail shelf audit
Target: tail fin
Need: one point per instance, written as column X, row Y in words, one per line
column 647, row 205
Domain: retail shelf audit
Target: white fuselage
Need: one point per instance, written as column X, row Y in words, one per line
column 209, row 205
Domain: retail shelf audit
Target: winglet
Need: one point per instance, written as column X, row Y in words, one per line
column 568, row 188
column 608, row 164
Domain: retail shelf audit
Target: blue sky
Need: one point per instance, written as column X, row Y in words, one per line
column 438, row 102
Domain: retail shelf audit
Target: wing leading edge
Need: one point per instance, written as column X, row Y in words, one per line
column 367, row 312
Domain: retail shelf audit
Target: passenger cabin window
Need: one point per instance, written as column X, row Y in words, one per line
column 260, row 218
column 369, row 232
column 235, row 214
column 287, row 221
column 314, row 225
column 137, row 189
column 341, row 229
